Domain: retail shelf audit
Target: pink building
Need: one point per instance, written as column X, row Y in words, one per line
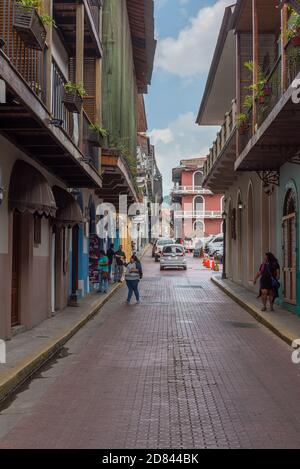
column 200, row 210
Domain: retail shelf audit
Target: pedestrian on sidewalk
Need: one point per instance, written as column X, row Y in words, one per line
column 103, row 269
column 120, row 258
column 111, row 257
column 269, row 274
column 133, row 275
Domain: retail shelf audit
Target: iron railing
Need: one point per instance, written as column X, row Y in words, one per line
column 59, row 110
column 29, row 62
column 90, row 152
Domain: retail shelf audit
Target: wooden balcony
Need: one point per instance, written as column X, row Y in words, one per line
column 219, row 167
column 64, row 12
column 190, row 190
column 45, row 134
column 275, row 139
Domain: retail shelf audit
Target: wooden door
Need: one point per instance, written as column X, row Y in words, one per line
column 289, row 256
column 15, row 269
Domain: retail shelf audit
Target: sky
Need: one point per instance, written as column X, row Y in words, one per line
column 186, row 31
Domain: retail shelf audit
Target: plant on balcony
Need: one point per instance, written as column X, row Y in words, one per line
column 293, row 32
column 73, row 97
column 29, row 24
column 261, row 88
column 97, row 134
column 242, row 122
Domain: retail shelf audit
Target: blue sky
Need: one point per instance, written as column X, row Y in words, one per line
column 186, row 31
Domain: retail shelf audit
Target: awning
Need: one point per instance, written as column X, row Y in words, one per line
column 29, row 191
column 68, row 211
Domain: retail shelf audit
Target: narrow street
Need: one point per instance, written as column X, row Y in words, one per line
column 188, row 368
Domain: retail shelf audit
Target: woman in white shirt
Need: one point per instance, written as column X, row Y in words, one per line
column 133, row 275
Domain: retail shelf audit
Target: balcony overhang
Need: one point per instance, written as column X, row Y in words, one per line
column 277, row 141
column 222, row 174
column 141, row 21
column 25, row 121
column 117, row 179
column 65, row 19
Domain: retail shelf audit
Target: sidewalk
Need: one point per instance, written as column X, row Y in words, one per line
column 283, row 323
column 30, row 350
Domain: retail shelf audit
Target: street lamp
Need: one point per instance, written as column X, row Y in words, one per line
column 224, row 218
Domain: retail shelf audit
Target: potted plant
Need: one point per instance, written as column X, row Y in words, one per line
column 242, row 123
column 97, row 135
column 293, row 33
column 73, row 97
column 29, row 24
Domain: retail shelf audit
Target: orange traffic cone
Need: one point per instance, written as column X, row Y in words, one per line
column 213, row 265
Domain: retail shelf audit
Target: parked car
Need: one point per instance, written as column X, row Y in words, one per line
column 208, row 241
column 216, row 244
column 173, row 257
column 160, row 243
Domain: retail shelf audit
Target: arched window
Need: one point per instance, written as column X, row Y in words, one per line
column 239, row 234
column 199, row 204
column 198, row 179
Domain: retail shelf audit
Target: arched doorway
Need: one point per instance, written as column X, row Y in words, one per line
column 199, row 205
column 239, row 234
column 265, row 222
column 289, row 246
column 229, row 238
column 250, row 233
column 198, row 179
column 199, row 229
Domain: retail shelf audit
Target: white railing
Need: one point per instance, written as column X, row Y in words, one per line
column 197, row 214
column 190, row 190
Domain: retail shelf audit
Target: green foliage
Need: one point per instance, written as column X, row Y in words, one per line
column 293, row 24
column 47, row 20
column 242, row 120
column 99, row 129
column 75, row 87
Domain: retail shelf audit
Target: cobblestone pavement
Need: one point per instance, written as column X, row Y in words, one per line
column 188, row 368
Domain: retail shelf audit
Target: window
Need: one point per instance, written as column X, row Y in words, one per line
column 199, row 204
column 198, row 179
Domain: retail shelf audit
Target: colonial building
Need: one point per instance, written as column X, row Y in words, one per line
column 55, row 95
column 198, row 208
column 255, row 158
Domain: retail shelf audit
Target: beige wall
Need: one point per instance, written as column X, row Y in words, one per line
column 35, row 269
column 237, row 250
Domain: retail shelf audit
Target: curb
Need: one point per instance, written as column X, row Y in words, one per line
column 282, row 333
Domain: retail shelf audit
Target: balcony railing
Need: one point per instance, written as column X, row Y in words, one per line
column 91, row 152
column 182, row 190
column 59, row 110
column 223, row 137
column 200, row 215
column 275, row 88
column 28, row 61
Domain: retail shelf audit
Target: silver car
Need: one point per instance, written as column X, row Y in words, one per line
column 173, row 257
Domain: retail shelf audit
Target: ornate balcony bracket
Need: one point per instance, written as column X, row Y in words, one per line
column 269, row 178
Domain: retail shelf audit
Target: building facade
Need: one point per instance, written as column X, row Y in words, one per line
column 199, row 210
column 254, row 159
column 55, row 168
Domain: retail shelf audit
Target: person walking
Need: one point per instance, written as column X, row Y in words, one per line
column 120, row 258
column 269, row 274
column 103, row 269
column 111, row 256
column 133, row 275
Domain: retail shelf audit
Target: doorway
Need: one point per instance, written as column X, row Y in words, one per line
column 289, row 247
column 15, row 285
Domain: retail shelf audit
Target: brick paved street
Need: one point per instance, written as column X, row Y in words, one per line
column 187, row 368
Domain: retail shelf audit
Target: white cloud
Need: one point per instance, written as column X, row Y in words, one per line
column 181, row 139
column 190, row 53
